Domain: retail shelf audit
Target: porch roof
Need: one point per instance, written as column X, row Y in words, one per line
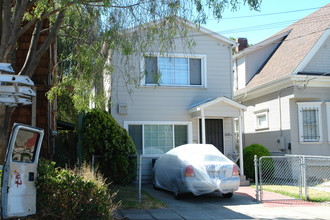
column 216, row 107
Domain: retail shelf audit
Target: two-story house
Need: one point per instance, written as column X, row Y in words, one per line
column 285, row 83
column 182, row 96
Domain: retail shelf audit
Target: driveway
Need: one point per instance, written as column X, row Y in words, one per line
column 213, row 206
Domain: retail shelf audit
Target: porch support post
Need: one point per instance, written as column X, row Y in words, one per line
column 203, row 126
column 240, row 142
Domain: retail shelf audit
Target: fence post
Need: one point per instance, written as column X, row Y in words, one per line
column 139, row 158
column 256, row 176
column 260, row 179
column 305, row 177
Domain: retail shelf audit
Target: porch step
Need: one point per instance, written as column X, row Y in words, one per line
column 244, row 181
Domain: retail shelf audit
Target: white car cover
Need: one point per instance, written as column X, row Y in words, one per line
column 209, row 170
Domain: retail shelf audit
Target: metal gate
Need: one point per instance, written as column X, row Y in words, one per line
column 292, row 177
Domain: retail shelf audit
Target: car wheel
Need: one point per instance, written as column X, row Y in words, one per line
column 177, row 195
column 228, row 195
column 155, row 187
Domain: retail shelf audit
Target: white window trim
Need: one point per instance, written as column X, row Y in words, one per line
column 302, row 105
column 188, row 123
column 261, row 113
column 179, row 55
column 328, row 120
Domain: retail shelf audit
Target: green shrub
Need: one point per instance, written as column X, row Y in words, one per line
column 112, row 146
column 248, row 156
column 72, row 194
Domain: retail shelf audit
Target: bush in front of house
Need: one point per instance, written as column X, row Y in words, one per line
column 113, row 149
column 72, row 194
column 248, row 157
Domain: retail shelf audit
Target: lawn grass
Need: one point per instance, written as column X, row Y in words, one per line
column 128, row 197
column 293, row 191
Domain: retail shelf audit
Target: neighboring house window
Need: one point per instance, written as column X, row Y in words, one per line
column 261, row 119
column 174, row 71
column 328, row 118
column 156, row 138
column 310, row 123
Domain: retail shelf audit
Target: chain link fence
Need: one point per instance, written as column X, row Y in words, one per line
column 292, row 177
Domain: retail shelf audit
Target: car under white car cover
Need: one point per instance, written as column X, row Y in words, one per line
column 196, row 168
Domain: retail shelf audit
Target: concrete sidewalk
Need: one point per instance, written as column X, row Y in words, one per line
column 213, row 206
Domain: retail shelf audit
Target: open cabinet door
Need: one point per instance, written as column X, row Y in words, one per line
column 18, row 197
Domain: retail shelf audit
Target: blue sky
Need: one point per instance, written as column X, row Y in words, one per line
column 256, row 26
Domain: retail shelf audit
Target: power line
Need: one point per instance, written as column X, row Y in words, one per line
column 271, row 25
column 258, row 27
column 275, row 13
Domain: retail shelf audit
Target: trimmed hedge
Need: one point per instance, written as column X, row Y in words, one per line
column 72, row 194
column 248, row 155
column 114, row 149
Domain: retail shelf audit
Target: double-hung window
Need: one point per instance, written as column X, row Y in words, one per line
column 261, row 119
column 310, row 122
column 174, row 71
column 158, row 138
column 328, row 119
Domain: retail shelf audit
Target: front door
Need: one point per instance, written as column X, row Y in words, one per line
column 213, row 132
column 18, row 197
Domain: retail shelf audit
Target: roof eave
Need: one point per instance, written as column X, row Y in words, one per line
column 215, row 101
column 191, row 25
column 263, row 89
column 262, row 44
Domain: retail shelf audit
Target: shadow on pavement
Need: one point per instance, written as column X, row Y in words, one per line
column 209, row 206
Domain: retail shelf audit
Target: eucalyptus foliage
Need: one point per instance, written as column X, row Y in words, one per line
column 86, row 32
column 90, row 32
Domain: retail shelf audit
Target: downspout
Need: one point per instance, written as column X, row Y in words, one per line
column 280, row 111
column 240, row 143
column 203, row 126
column 281, row 129
column 231, row 71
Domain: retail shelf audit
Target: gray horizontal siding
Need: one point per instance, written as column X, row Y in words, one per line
column 171, row 103
column 320, row 62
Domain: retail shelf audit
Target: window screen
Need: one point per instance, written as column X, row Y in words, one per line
column 181, row 135
column 135, row 131
column 195, row 71
column 151, row 69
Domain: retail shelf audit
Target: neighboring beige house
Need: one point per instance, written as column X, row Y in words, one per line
column 285, row 83
column 191, row 104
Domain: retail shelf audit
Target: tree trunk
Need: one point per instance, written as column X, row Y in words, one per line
column 5, row 115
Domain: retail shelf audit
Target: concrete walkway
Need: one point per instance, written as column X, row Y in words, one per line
column 213, row 206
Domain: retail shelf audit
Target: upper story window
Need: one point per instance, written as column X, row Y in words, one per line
column 174, row 71
column 310, row 123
